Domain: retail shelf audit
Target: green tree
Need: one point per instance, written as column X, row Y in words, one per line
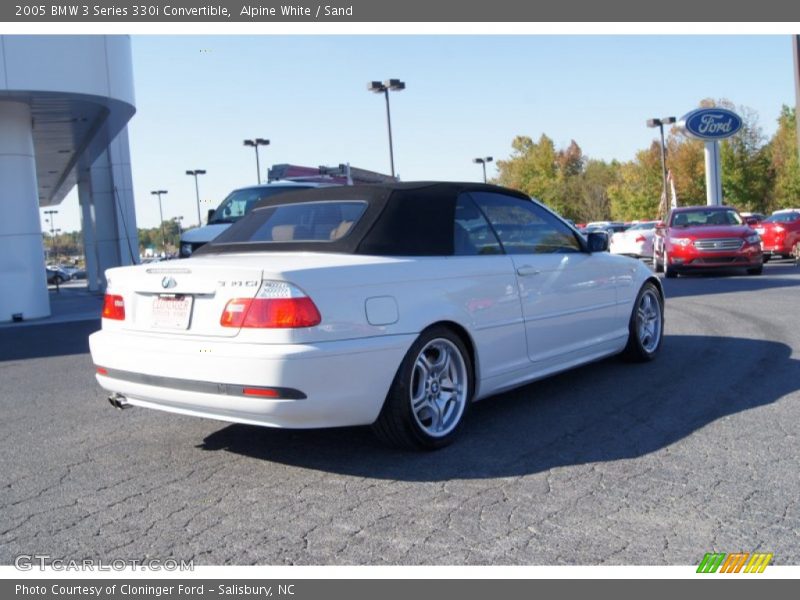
column 145, row 239
column 686, row 162
column 637, row 191
column 784, row 166
column 746, row 178
column 531, row 168
column 540, row 170
column 591, row 198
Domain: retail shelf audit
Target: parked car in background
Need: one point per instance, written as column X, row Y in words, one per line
column 56, row 275
column 391, row 305
column 636, row 241
column 753, row 217
column 696, row 238
column 610, row 227
column 780, row 234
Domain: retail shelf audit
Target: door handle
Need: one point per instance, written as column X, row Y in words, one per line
column 527, row 270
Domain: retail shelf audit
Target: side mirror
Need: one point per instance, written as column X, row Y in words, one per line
column 210, row 215
column 597, row 241
column 751, row 221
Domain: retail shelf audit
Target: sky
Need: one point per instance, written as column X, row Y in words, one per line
column 466, row 96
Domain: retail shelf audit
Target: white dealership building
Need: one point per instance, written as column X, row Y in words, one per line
column 65, row 102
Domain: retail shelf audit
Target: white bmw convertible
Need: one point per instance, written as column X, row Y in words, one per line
column 395, row 306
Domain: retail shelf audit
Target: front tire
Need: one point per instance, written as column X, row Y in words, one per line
column 756, row 270
column 646, row 325
column 669, row 272
column 430, row 395
column 658, row 266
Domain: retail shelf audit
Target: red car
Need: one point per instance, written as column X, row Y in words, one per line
column 780, row 234
column 699, row 238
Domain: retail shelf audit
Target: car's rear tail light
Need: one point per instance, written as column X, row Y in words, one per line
column 113, row 307
column 102, row 371
column 640, row 239
column 277, row 304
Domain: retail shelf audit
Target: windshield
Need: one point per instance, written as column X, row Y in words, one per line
column 786, row 217
column 700, row 217
column 241, row 202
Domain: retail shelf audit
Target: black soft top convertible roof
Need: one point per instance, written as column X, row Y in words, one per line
column 401, row 219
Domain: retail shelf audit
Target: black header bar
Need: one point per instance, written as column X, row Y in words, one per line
column 359, row 11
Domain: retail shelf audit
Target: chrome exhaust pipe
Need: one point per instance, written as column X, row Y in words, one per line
column 118, row 401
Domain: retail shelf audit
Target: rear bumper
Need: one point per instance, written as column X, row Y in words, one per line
column 343, row 383
column 776, row 250
column 632, row 249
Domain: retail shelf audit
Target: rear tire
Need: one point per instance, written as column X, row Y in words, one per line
column 430, row 395
column 646, row 325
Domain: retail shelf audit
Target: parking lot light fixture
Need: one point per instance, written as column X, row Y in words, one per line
column 377, row 87
column 482, row 162
column 195, row 173
column 51, row 220
column 255, row 143
column 660, row 124
column 159, row 193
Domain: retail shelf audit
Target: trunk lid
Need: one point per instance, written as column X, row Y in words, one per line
column 179, row 297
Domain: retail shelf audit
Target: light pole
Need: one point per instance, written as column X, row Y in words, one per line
column 255, row 143
column 50, row 220
column 482, row 162
column 660, row 124
column 195, row 173
column 56, row 231
column 161, row 212
column 377, row 87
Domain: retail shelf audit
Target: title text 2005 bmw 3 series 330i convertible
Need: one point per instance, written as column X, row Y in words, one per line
column 394, row 305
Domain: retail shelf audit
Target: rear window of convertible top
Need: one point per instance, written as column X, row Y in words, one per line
column 326, row 221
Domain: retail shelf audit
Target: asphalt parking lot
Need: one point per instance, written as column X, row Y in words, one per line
column 608, row 464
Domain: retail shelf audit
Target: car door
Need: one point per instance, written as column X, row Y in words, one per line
column 568, row 295
column 488, row 295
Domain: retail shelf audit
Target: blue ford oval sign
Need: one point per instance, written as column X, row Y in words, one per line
column 711, row 123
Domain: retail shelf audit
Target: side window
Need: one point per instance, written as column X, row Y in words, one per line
column 471, row 232
column 525, row 227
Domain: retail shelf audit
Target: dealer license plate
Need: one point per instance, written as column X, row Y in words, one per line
column 171, row 312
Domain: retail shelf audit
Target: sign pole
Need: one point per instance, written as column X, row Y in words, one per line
column 713, row 174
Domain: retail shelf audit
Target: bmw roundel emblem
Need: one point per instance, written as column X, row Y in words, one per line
column 168, row 283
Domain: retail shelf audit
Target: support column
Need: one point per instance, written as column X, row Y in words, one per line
column 713, row 174
column 107, row 199
column 87, row 230
column 23, row 282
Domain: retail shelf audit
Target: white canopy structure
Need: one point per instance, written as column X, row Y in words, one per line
column 65, row 102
